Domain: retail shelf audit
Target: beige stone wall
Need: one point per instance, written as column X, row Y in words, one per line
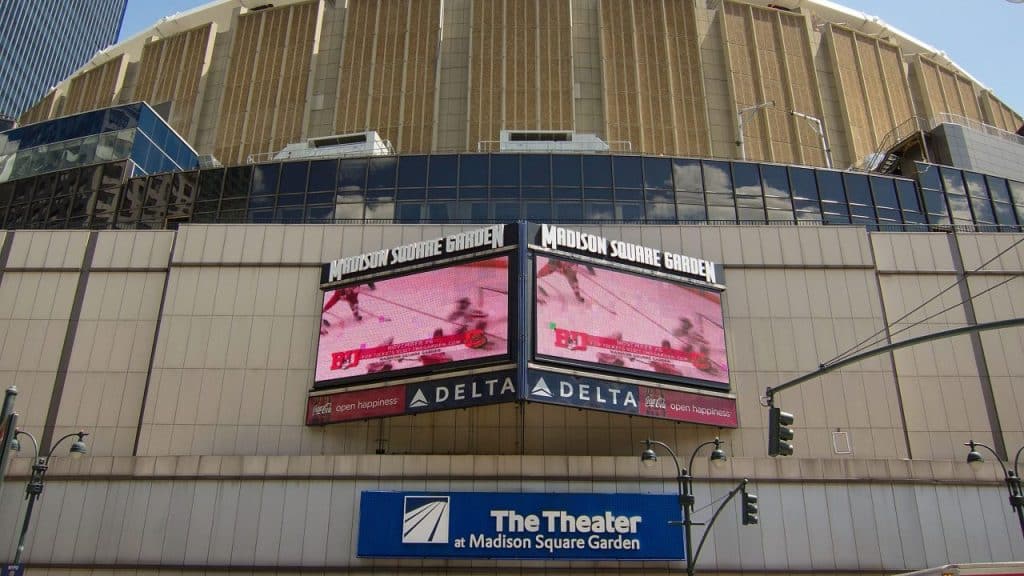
column 667, row 77
column 40, row 110
column 387, row 80
column 171, row 69
column 872, row 86
column 96, row 88
column 264, row 98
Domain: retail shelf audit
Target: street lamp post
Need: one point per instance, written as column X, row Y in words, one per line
column 684, row 485
column 1011, row 475
column 40, row 464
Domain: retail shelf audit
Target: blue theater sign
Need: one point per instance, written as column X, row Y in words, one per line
column 534, row 526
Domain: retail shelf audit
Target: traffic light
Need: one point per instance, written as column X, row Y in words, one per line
column 779, row 432
column 749, row 508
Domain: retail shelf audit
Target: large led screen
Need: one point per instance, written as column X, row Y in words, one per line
column 421, row 321
column 629, row 323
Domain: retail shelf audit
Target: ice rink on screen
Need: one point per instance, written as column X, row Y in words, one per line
column 631, row 308
column 415, row 307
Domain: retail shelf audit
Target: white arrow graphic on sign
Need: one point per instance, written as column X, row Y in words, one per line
column 418, row 399
column 541, row 389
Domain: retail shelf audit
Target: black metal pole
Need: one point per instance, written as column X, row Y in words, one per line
column 32, row 492
column 686, row 499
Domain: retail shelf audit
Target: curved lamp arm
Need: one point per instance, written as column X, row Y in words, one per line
column 717, row 443
column 1016, row 458
column 972, row 445
column 81, row 434
column 35, row 445
column 679, row 469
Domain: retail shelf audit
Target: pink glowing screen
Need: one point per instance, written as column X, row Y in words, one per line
column 628, row 322
column 425, row 319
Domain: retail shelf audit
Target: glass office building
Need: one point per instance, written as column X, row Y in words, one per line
column 46, row 40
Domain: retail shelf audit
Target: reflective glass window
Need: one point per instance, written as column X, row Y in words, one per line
column 982, row 210
column 411, row 194
column 599, row 210
column 597, row 171
column 380, row 211
column 289, row 214
column 750, row 214
column 952, row 180
column 467, row 193
column 629, row 211
column 321, row 197
column 687, row 175
column 568, row 212
column 536, row 170
column 746, row 179
column 538, row 211
column 504, row 170
column 261, row 216
column 381, row 194
column 907, row 193
column 658, row 173
column 291, row 199
column 473, row 170
column 775, row 181
column 567, row 193
column 408, row 211
column 412, row 171
column 959, row 208
column 475, row 211
column 322, row 175
column 319, row 214
column 661, row 212
column 830, row 187
column 1016, row 191
column 998, row 189
column 348, row 212
column 716, row 177
column 565, row 170
column 352, row 175
column 504, row 211
column 721, row 213
column 382, row 172
column 293, row 178
column 935, row 203
column 928, row 176
column 628, row 171
column 597, row 193
column 659, row 195
column 629, row 194
column 442, row 194
column 691, row 212
column 883, row 190
column 690, row 198
column 236, row 182
column 536, row 193
column 444, row 170
column 777, row 203
column 857, row 190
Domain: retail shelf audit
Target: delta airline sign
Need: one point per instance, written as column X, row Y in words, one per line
column 543, row 386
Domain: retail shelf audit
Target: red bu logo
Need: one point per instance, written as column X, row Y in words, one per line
column 346, row 359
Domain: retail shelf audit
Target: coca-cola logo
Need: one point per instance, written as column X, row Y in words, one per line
column 322, row 409
column 655, row 403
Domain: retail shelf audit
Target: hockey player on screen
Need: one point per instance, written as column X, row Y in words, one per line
column 465, row 314
column 566, row 269
column 351, row 295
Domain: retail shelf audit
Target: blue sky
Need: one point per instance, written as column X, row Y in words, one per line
column 985, row 37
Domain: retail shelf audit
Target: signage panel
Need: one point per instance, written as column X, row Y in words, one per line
column 624, row 398
column 381, row 261
column 629, row 323
column 573, row 241
column 420, row 322
column 519, row 526
column 416, row 398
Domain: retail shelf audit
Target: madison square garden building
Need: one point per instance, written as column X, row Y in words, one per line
column 405, row 286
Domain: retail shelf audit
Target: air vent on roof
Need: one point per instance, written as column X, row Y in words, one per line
column 335, row 146
column 326, row 141
column 540, row 136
